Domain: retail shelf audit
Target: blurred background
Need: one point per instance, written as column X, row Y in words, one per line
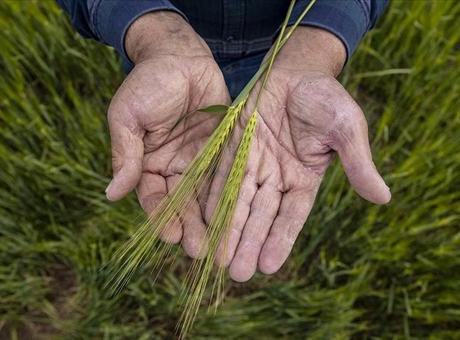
column 359, row 271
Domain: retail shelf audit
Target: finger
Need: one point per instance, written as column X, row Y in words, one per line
column 263, row 211
column 355, row 154
column 217, row 183
column 127, row 154
column 151, row 190
column 294, row 209
column 194, row 231
column 227, row 247
column 172, row 232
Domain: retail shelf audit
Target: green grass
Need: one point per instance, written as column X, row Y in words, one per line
column 358, row 271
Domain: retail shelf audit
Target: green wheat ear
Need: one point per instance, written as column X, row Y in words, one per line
column 200, row 271
column 145, row 248
column 219, row 226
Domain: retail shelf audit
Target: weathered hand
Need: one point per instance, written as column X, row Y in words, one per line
column 174, row 74
column 305, row 117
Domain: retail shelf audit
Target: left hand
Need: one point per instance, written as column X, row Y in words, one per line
column 306, row 117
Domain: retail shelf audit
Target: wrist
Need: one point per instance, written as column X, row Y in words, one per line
column 313, row 49
column 162, row 32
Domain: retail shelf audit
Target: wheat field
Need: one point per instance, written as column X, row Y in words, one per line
column 358, row 271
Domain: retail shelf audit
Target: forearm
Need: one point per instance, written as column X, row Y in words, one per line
column 108, row 21
column 313, row 49
column 348, row 20
column 162, row 32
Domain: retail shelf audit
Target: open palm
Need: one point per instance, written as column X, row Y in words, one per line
column 149, row 151
column 304, row 118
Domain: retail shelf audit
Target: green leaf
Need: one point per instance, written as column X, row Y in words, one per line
column 219, row 108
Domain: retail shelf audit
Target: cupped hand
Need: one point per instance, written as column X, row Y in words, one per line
column 174, row 75
column 305, row 117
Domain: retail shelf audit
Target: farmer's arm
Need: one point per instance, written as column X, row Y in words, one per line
column 109, row 21
column 332, row 31
column 348, row 20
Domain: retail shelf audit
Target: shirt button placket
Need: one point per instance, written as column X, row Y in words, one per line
column 232, row 33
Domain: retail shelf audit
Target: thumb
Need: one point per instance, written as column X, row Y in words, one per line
column 127, row 155
column 352, row 145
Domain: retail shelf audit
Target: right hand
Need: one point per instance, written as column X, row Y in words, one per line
column 174, row 74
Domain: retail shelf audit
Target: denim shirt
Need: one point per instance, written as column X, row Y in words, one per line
column 232, row 28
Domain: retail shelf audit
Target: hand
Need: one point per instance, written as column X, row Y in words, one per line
column 174, row 74
column 305, row 117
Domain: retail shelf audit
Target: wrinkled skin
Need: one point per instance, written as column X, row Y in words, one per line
column 305, row 117
column 147, row 153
